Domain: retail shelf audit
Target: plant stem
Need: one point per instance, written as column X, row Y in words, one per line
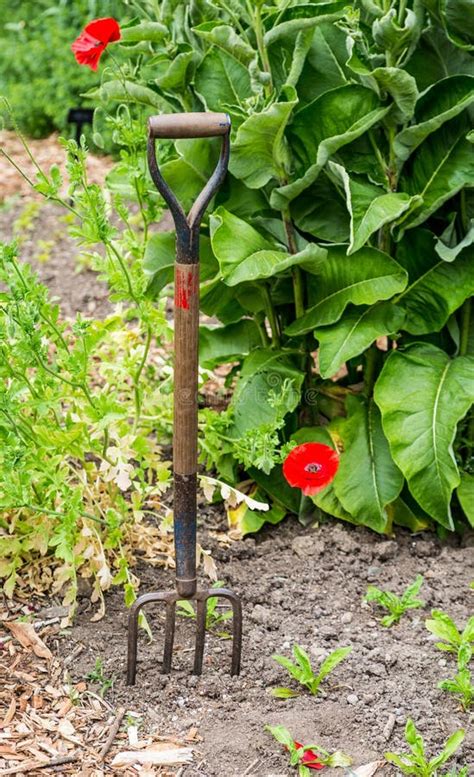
column 271, row 315
column 39, row 509
column 263, row 332
column 298, row 289
column 137, row 376
column 465, row 326
column 262, row 48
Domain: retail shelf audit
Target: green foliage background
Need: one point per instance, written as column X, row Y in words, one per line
column 346, row 217
column 38, row 73
column 345, row 226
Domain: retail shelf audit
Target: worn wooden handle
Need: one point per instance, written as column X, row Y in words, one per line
column 188, row 125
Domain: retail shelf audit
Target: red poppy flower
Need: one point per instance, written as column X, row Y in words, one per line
column 310, row 759
column 93, row 40
column 311, row 467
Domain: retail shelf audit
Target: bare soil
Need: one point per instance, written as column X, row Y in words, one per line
column 305, row 586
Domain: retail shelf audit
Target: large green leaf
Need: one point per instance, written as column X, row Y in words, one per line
column 363, row 278
column 465, row 492
column 259, row 152
column 422, row 394
column 221, row 344
column 457, row 19
column 303, row 17
column 217, row 299
column 160, row 255
column 354, row 332
column 262, row 375
column 406, row 512
column 225, row 37
column 275, row 485
column 440, row 103
column 265, row 264
column 367, row 479
column 436, row 58
column 222, row 81
column 324, row 68
column 439, row 168
column 128, row 92
column 144, row 30
column 234, row 240
column 322, row 127
column 369, row 206
column 321, row 211
column 401, row 87
column 435, row 288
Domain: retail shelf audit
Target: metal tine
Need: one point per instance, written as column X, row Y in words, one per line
column 225, row 593
column 169, row 636
column 201, row 613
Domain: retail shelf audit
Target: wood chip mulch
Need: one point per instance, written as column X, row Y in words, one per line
column 50, row 726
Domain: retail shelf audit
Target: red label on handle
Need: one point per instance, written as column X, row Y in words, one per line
column 186, row 286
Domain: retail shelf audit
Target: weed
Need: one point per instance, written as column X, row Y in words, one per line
column 461, row 683
column 302, row 670
column 443, row 627
column 213, row 616
column 416, row 762
column 396, row 605
column 306, row 757
column 97, row 676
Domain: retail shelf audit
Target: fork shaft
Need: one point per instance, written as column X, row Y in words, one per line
column 185, row 428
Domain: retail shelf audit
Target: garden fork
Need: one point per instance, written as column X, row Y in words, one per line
column 185, row 422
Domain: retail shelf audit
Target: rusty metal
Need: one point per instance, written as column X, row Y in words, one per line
column 185, row 429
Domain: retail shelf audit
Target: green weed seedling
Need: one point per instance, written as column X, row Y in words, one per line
column 461, row 684
column 213, row 616
column 396, row 605
column 443, row 627
column 302, row 670
column 97, row 676
column 462, row 772
column 416, row 762
column 301, row 756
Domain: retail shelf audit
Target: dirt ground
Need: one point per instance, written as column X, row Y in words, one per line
column 297, row 584
column 305, row 586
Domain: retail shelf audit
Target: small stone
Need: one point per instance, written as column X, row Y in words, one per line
column 442, row 662
column 317, row 652
column 377, row 669
column 346, row 617
column 386, row 550
column 262, row 615
column 424, row 549
column 373, row 573
column 352, row 698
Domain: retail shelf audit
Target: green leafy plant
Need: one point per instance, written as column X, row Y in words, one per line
column 214, row 616
column 97, row 675
column 461, row 684
column 303, row 756
column 303, row 672
column 443, row 627
column 396, row 605
column 416, row 762
column 344, row 227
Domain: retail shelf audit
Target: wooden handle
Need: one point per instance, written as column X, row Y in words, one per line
column 188, row 125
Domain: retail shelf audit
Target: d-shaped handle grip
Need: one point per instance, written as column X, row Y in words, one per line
column 188, row 125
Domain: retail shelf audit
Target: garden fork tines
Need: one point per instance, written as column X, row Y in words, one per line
column 185, row 422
